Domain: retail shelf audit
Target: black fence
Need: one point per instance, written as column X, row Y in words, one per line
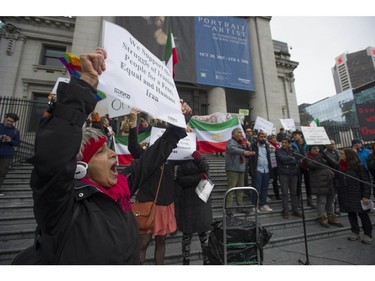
column 29, row 113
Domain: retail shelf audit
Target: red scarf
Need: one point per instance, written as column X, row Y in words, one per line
column 344, row 165
column 240, row 144
column 119, row 192
column 275, row 145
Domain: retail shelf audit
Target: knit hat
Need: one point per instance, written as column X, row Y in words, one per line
column 95, row 117
column 355, row 141
column 196, row 155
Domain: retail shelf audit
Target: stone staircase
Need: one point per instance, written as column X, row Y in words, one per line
column 17, row 223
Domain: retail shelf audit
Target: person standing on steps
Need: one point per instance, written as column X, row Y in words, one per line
column 288, row 175
column 194, row 215
column 322, row 185
column 261, row 166
column 235, row 168
column 9, row 139
column 299, row 146
column 353, row 193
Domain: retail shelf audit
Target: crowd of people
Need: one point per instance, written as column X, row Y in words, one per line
column 98, row 197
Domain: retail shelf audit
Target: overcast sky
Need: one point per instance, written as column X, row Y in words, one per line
column 315, row 42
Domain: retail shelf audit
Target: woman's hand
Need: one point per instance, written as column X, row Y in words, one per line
column 93, row 64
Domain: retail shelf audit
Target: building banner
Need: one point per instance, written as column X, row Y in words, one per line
column 366, row 120
column 222, row 52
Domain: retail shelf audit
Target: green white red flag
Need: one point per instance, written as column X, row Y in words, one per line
column 171, row 57
column 213, row 137
column 121, row 147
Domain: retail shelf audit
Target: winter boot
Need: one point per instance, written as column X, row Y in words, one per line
column 323, row 221
column 332, row 219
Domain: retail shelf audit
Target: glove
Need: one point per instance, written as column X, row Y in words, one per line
column 197, row 156
column 203, row 176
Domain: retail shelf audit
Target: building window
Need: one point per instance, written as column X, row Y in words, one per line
column 51, row 55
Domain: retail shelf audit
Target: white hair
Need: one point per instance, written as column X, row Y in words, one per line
column 87, row 134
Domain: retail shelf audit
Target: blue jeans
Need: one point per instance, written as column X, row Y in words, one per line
column 261, row 183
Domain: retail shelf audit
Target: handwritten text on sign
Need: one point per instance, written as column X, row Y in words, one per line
column 137, row 77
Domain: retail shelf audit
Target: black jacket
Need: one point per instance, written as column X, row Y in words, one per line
column 287, row 164
column 321, row 176
column 351, row 191
column 102, row 233
column 194, row 215
column 147, row 191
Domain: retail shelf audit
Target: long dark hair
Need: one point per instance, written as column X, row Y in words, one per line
column 351, row 157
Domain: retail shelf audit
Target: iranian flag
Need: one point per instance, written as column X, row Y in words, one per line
column 171, row 57
column 213, row 137
column 121, row 147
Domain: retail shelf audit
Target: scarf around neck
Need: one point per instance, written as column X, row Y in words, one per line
column 119, row 192
column 240, row 144
column 344, row 165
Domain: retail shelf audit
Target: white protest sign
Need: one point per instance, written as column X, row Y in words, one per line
column 60, row 79
column 137, row 77
column 264, row 125
column 288, row 124
column 315, row 135
column 116, row 107
column 185, row 147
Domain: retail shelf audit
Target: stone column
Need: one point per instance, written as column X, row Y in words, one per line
column 216, row 100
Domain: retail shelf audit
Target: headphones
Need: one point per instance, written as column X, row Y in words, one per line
column 81, row 170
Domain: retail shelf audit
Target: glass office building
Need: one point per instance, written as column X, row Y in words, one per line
column 336, row 110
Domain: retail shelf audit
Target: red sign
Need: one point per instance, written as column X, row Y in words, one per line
column 366, row 119
column 339, row 60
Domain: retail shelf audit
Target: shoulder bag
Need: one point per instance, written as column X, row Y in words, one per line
column 144, row 212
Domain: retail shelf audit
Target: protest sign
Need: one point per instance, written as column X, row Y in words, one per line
column 264, row 125
column 288, row 124
column 116, row 107
column 137, row 77
column 185, row 147
column 315, row 135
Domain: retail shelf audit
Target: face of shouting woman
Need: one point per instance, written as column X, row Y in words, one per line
column 102, row 167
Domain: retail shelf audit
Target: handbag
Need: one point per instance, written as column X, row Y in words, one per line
column 144, row 212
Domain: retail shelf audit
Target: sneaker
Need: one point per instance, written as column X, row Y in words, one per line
column 253, row 210
column 366, row 239
column 353, row 236
column 265, row 208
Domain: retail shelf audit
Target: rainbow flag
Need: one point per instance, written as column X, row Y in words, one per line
column 73, row 64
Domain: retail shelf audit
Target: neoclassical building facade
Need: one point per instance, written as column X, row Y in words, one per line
column 30, row 48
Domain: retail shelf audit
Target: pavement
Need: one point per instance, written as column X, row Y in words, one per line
column 337, row 250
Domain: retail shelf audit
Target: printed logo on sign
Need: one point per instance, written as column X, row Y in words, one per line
column 121, row 94
column 172, row 119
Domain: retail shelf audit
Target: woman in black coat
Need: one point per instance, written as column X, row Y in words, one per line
column 322, row 185
column 194, row 215
column 352, row 192
column 75, row 179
